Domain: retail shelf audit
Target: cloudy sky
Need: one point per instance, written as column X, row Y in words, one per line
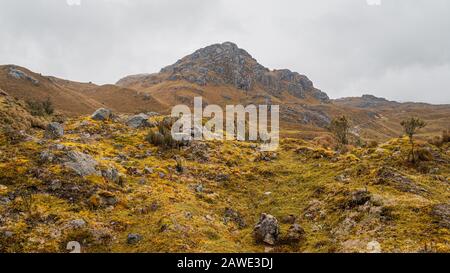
column 399, row 49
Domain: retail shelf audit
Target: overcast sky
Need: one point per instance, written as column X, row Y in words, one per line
column 399, row 49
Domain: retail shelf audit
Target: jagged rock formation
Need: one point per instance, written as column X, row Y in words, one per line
column 366, row 101
column 20, row 75
column 227, row 64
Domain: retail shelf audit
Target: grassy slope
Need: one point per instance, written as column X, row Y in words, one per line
column 171, row 215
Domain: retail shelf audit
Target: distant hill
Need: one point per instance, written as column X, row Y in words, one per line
column 387, row 116
column 226, row 74
column 69, row 97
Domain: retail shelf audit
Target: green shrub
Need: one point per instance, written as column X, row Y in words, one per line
column 411, row 126
column 340, row 128
column 446, row 136
column 41, row 108
column 12, row 135
column 161, row 136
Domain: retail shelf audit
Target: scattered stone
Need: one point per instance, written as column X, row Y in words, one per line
column 373, row 247
column 138, row 121
column 342, row 178
column 46, row 157
column 199, row 188
column 54, row 131
column 188, row 215
column 295, row 234
column 222, row 177
column 112, row 175
column 390, row 176
column 152, row 114
column 109, row 199
column 133, row 239
column 78, row 223
column 358, row 198
column 82, row 164
column 290, row 219
column 3, row 189
column 61, row 147
column 267, row 230
column 102, row 114
column 232, row 215
column 344, row 228
column 85, row 123
column 441, row 213
column 20, row 75
column 315, row 210
column 55, row 185
column 148, row 170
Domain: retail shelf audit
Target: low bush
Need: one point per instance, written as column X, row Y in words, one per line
column 41, row 108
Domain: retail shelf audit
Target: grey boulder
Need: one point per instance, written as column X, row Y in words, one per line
column 54, row 131
column 267, row 230
column 102, row 114
column 138, row 121
column 82, row 164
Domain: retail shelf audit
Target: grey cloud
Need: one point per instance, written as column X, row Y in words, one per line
column 398, row 50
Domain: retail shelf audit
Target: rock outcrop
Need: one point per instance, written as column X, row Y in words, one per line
column 267, row 230
column 82, row 164
column 227, row 64
column 138, row 121
column 54, row 131
column 102, row 114
column 20, row 75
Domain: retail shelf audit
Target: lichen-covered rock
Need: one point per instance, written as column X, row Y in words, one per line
column 82, row 164
column 54, row 131
column 441, row 213
column 102, row 114
column 20, row 75
column 46, row 157
column 232, row 215
column 133, row 239
column 226, row 63
column 267, row 230
column 295, row 234
column 77, row 223
column 373, row 247
column 357, row 198
column 389, row 176
column 138, row 121
column 111, row 174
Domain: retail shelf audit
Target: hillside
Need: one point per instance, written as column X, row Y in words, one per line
column 72, row 98
column 103, row 185
column 387, row 116
column 114, row 182
column 226, row 74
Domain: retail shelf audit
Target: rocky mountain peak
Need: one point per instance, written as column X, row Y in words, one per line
column 227, row 64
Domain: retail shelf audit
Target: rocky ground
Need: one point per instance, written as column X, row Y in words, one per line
column 96, row 180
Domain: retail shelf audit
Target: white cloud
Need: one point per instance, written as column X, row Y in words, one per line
column 346, row 47
column 73, row 2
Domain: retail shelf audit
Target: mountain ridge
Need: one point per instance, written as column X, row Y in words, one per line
column 227, row 64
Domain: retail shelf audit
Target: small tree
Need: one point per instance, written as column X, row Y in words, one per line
column 340, row 127
column 48, row 106
column 411, row 126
